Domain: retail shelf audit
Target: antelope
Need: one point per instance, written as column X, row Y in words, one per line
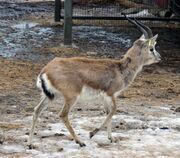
column 71, row 77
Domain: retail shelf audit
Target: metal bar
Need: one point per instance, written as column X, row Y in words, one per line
column 68, row 22
column 57, row 12
column 175, row 7
column 122, row 18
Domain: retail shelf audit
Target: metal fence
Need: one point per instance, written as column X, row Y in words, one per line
column 156, row 10
column 95, row 11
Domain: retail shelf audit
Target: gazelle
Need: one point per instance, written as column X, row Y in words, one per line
column 73, row 76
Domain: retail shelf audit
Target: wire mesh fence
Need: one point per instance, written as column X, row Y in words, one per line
column 114, row 41
column 145, row 8
column 100, row 12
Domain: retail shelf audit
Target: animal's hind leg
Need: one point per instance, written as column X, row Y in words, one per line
column 37, row 110
column 69, row 102
column 107, row 109
column 109, row 131
column 109, row 124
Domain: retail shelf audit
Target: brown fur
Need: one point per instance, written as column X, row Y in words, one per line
column 70, row 75
column 101, row 74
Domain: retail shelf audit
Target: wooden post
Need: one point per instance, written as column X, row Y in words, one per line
column 67, row 22
column 57, row 13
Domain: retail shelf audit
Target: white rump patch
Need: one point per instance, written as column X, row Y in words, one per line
column 38, row 83
column 47, row 82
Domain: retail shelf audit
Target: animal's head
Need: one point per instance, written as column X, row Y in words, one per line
column 146, row 44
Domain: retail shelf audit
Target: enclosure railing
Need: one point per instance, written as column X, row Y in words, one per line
column 156, row 10
column 152, row 10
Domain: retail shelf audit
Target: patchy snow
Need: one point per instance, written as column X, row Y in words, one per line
column 12, row 148
column 150, row 142
column 136, row 136
column 143, row 13
column 25, row 25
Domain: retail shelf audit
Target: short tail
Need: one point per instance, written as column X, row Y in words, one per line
column 41, row 83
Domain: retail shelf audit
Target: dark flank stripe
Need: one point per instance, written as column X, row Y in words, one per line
column 45, row 90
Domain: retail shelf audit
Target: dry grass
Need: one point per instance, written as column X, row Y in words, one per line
column 9, row 126
column 64, row 51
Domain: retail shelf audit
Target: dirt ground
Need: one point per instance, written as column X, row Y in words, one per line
column 147, row 122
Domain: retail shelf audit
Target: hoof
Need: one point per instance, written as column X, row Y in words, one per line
column 30, row 146
column 112, row 139
column 81, row 144
column 91, row 134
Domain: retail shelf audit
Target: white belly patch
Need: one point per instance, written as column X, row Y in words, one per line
column 89, row 93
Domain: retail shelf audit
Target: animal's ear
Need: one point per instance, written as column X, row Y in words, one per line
column 142, row 37
column 154, row 38
column 140, row 42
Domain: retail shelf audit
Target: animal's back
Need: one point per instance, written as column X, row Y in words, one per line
column 97, row 74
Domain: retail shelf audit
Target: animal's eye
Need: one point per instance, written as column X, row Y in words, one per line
column 151, row 49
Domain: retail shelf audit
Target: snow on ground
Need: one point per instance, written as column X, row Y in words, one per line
column 135, row 135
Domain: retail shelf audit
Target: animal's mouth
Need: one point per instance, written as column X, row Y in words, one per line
column 158, row 59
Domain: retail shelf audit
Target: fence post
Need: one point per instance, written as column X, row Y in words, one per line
column 67, row 22
column 57, row 12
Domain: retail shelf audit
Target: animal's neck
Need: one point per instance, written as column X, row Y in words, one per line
column 132, row 64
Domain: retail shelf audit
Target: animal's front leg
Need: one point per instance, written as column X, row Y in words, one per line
column 107, row 121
